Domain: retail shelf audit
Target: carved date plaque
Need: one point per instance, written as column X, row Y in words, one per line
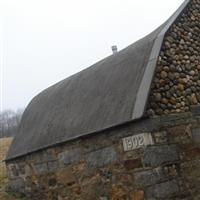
column 137, row 141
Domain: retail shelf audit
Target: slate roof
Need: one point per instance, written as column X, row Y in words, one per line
column 111, row 92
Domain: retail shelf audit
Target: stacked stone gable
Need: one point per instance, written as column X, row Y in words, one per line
column 176, row 85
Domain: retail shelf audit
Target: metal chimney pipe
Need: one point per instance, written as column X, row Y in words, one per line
column 114, row 49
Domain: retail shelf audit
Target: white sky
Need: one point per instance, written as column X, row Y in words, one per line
column 45, row 41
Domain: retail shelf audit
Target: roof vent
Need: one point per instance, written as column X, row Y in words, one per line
column 114, row 49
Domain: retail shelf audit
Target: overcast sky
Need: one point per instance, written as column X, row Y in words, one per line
column 45, row 41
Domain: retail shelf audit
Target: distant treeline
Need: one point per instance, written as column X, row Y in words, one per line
column 9, row 122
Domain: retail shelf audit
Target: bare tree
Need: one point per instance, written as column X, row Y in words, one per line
column 9, row 122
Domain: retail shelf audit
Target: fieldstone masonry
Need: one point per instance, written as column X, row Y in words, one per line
column 176, row 85
column 167, row 169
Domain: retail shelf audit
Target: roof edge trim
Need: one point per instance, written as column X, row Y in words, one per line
column 145, row 86
column 8, row 159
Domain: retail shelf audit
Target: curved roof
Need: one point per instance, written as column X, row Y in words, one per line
column 110, row 92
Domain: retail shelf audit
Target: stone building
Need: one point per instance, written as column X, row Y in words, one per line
column 126, row 128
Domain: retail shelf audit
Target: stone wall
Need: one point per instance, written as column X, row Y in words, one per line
column 176, row 85
column 100, row 167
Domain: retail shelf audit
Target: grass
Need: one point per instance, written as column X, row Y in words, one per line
column 4, row 146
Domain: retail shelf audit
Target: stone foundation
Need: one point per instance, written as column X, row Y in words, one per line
column 100, row 167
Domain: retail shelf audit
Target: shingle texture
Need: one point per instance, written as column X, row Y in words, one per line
column 110, row 92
